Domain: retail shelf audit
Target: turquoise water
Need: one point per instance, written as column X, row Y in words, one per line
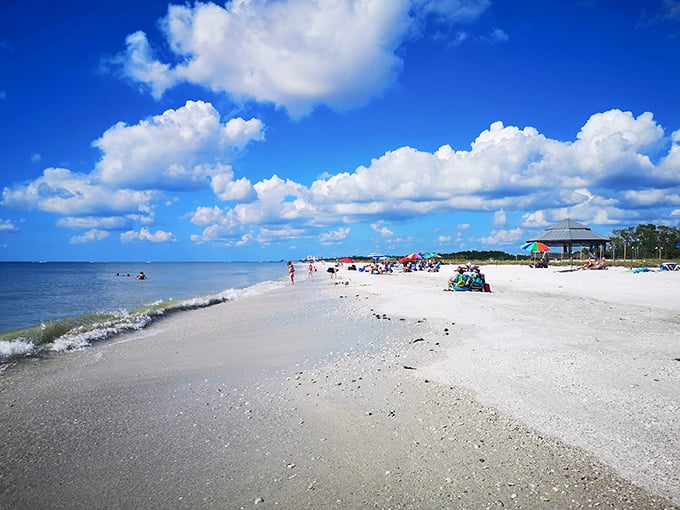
column 65, row 305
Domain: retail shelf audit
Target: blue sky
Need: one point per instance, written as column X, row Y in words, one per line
column 261, row 130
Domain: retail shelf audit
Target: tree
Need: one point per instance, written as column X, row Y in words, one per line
column 646, row 241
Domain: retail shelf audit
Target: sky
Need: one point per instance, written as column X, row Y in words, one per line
column 266, row 130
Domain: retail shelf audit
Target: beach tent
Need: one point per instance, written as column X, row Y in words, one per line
column 569, row 233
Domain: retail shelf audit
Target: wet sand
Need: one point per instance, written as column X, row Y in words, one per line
column 554, row 391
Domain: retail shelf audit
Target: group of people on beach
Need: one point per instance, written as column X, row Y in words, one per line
column 468, row 277
column 311, row 269
column 387, row 266
column 541, row 263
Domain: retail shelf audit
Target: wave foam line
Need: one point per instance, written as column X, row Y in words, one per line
column 77, row 333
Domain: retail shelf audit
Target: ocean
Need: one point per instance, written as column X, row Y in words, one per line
column 58, row 306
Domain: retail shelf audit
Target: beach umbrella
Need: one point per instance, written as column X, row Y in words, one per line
column 346, row 259
column 411, row 257
column 431, row 256
column 536, row 246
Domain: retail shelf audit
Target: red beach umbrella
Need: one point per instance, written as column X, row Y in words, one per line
column 346, row 260
column 412, row 256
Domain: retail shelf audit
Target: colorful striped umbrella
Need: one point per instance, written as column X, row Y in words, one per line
column 411, row 257
column 536, row 246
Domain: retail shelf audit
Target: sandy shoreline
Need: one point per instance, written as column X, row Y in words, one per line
column 554, row 391
column 590, row 357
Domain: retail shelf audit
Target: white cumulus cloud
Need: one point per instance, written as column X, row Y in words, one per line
column 335, row 236
column 292, row 53
column 8, row 226
column 94, row 222
column 179, row 149
column 502, row 237
column 90, row 236
column 145, row 234
column 506, row 168
column 61, row 191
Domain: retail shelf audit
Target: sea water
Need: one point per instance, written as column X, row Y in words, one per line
column 67, row 305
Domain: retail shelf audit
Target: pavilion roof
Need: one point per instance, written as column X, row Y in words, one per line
column 569, row 231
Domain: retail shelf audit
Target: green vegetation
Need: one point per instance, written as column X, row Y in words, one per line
column 481, row 256
column 645, row 242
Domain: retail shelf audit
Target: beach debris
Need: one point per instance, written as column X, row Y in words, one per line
column 418, row 340
column 259, row 500
column 409, row 368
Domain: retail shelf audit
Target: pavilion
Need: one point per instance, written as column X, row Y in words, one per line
column 569, row 233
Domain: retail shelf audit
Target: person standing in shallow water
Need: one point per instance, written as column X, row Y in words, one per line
column 291, row 272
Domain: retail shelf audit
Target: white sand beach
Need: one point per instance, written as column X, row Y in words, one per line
column 589, row 357
column 556, row 390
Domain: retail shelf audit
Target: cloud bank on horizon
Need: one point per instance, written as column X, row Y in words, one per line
column 621, row 167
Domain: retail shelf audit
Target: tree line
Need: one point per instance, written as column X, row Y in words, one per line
column 484, row 255
column 645, row 241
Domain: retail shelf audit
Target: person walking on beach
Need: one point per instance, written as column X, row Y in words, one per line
column 312, row 269
column 291, row 272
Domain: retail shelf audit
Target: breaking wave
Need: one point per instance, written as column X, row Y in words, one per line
column 75, row 333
